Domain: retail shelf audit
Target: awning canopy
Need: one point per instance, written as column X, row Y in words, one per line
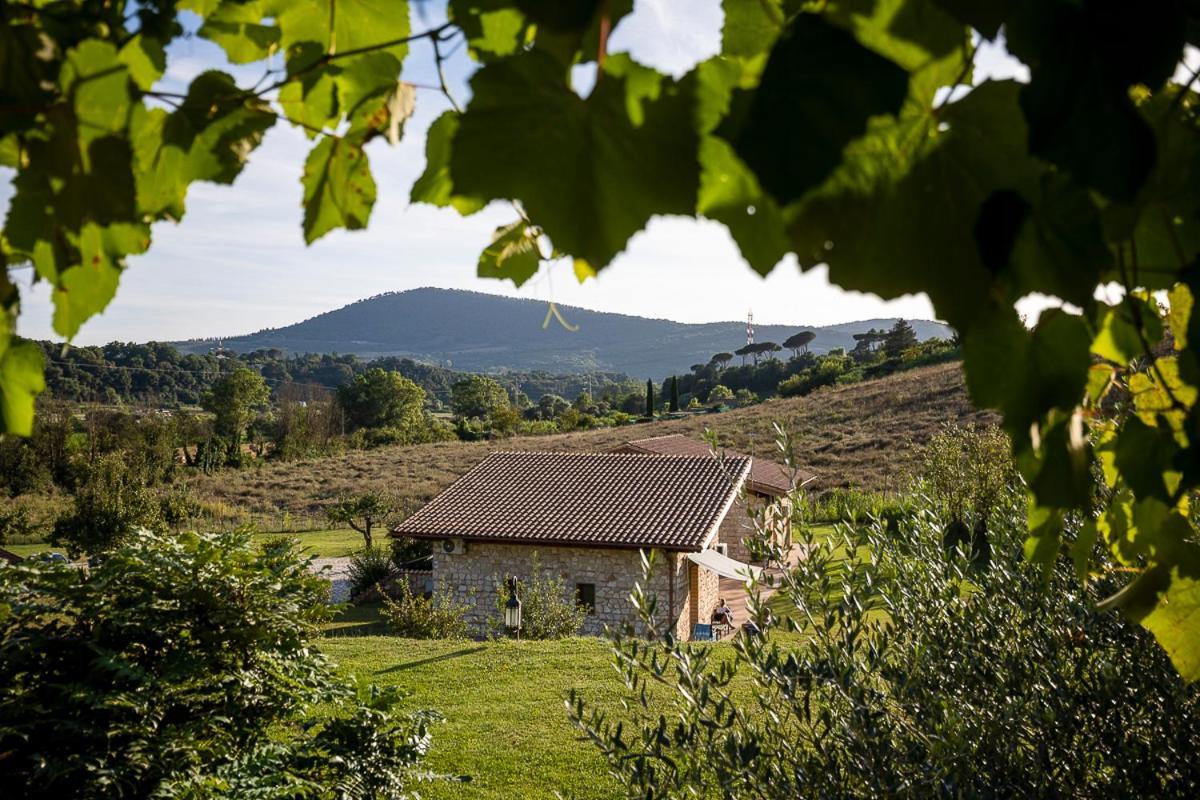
column 724, row 566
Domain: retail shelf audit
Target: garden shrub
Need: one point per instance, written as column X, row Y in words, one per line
column 368, row 568
column 184, row 666
column 907, row 671
column 548, row 610
column 439, row 616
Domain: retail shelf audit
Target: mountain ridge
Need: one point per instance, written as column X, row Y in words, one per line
column 459, row 328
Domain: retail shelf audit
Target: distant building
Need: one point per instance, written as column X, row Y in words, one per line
column 587, row 516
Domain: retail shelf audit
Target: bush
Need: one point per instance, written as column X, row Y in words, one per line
column 548, row 611
column 368, row 568
column 183, row 666
column 439, row 616
column 414, row 554
column 920, row 674
column 111, row 504
column 15, row 524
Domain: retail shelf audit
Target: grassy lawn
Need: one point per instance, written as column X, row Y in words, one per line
column 506, row 725
column 324, row 544
column 27, row 550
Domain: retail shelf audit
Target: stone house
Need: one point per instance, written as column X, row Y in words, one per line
column 766, row 488
column 588, row 517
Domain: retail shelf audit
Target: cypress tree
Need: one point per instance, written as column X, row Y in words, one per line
column 674, row 393
column 649, row 398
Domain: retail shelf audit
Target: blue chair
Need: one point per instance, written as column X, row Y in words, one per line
column 702, row 632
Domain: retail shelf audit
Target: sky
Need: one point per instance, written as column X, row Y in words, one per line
column 238, row 263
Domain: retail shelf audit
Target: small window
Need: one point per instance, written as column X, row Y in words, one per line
column 585, row 596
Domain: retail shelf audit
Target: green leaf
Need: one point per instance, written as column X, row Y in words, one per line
column 591, row 172
column 237, row 27
column 21, row 381
column 1060, row 249
column 492, row 27
column 434, row 185
column 372, row 98
column 886, row 185
column 305, row 34
column 209, row 138
column 1143, row 456
column 98, row 84
column 513, row 254
column 1180, row 303
column 1118, row 340
column 338, row 188
column 729, row 192
column 28, row 73
column 145, row 59
column 1165, row 599
column 817, row 93
column 1045, row 535
column 751, row 26
column 88, row 288
column 311, row 102
column 1084, row 59
column 1081, row 548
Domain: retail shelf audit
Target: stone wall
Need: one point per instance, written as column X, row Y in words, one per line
column 705, row 586
column 472, row 577
column 737, row 527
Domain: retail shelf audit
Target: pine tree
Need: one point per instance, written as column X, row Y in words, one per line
column 674, row 393
column 898, row 339
column 649, row 398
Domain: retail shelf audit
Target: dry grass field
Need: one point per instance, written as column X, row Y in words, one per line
column 862, row 435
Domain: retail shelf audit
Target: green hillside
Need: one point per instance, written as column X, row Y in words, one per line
column 483, row 333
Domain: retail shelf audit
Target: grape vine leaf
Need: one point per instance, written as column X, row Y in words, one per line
column 238, row 27
column 1165, row 599
column 21, row 381
column 513, row 254
column 338, row 188
column 593, row 171
column 818, row 91
column 729, row 192
column 434, row 185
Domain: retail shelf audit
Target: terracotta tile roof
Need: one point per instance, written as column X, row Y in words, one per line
column 588, row 499
column 765, row 476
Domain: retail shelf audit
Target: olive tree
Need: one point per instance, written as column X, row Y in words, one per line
column 904, row 671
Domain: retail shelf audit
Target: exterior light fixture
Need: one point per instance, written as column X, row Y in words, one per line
column 512, row 610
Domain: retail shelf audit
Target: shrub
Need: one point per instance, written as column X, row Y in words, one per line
column 111, row 504
column 439, row 616
column 920, row 674
column 15, row 524
column 548, row 611
column 183, row 666
column 416, row 554
column 178, row 506
column 368, row 568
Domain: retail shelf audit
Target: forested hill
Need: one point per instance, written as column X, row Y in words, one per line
column 158, row 374
column 479, row 332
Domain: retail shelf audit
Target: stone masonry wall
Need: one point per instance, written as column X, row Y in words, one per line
column 472, row 578
column 737, row 527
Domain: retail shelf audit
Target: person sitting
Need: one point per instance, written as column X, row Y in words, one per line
column 723, row 615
